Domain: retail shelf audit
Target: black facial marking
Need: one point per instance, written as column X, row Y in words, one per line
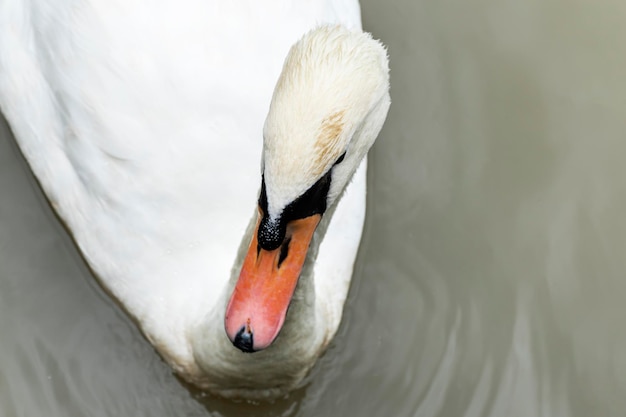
column 313, row 201
column 272, row 233
column 263, row 197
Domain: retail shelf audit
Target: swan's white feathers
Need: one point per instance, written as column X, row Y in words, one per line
column 143, row 122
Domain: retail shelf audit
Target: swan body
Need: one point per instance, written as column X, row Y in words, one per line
column 145, row 124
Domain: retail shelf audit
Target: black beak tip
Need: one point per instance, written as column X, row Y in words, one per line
column 244, row 340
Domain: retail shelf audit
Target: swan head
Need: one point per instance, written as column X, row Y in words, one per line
column 328, row 107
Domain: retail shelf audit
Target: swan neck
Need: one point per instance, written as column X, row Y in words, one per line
column 301, row 339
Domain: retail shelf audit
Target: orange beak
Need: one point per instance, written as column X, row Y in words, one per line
column 258, row 305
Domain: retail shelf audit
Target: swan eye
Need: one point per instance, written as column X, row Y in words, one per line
column 343, row 155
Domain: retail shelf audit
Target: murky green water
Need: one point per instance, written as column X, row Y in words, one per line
column 491, row 279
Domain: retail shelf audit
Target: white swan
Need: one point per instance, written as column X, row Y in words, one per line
column 143, row 122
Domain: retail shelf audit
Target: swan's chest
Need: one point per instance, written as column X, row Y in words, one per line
column 150, row 139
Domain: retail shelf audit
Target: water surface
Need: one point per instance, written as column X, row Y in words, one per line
column 490, row 280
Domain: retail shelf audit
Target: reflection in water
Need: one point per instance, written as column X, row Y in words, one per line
column 490, row 281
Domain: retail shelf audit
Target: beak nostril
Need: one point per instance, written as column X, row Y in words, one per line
column 284, row 251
